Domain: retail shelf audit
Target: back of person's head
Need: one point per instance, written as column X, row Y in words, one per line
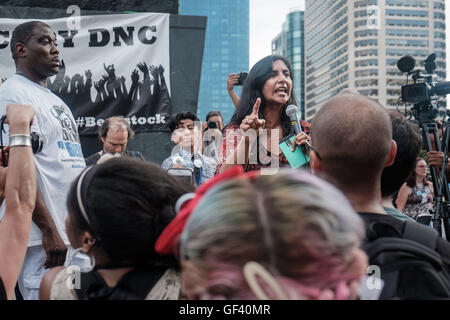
column 176, row 119
column 407, row 136
column 352, row 134
column 23, row 32
column 253, row 89
column 293, row 227
column 115, row 123
column 127, row 203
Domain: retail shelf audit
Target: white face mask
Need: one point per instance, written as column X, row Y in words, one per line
column 75, row 257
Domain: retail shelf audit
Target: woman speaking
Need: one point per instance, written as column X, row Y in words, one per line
column 261, row 118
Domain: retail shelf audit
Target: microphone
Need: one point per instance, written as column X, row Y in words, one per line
column 291, row 112
column 406, row 64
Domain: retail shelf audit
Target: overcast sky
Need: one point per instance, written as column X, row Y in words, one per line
column 267, row 17
column 266, row 21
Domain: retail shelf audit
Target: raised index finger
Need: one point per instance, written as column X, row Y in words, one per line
column 256, row 107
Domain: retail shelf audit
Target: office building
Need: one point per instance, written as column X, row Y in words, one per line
column 290, row 43
column 226, row 50
column 357, row 44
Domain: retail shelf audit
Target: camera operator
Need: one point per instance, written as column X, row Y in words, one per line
column 212, row 133
column 435, row 158
column 423, row 93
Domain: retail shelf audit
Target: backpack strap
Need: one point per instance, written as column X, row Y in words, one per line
column 420, row 233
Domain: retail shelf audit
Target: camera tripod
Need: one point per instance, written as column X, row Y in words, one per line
column 440, row 185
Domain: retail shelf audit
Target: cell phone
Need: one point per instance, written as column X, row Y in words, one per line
column 242, row 76
column 184, row 175
column 295, row 158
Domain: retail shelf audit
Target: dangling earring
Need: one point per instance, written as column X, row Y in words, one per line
column 84, row 267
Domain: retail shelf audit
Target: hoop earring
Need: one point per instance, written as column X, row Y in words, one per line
column 251, row 271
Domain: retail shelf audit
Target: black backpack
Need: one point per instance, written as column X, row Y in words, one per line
column 410, row 266
column 2, row 291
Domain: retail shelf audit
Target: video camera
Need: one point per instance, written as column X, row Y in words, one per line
column 36, row 142
column 212, row 125
column 424, row 89
column 421, row 93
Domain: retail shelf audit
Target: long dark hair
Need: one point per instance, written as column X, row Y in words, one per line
column 129, row 202
column 253, row 87
column 411, row 180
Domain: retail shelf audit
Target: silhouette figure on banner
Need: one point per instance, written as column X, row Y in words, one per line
column 144, row 98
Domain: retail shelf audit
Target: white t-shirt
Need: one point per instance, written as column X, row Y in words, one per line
column 61, row 159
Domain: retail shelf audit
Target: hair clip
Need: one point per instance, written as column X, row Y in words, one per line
column 183, row 200
column 252, row 270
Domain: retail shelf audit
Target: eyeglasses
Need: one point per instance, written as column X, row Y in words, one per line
column 313, row 149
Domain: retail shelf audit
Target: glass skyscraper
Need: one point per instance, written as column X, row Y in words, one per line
column 357, row 44
column 226, row 50
column 290, row 43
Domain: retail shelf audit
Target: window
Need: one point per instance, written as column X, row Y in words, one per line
column 403, row 52
column 360, row 23
column 395, row 82
column 365, row 43
column 407, row 43
column 407, row 33
column 438, row 5
column 407, row 3
column 366, row 73
column 439, row 45
column 365, row 3
column 369, row 92
column 439, row 35
column 439, row 15
column 393, row 92
column 439, row 25
column 365, row 33
column 367, row 52
column 366, row 83
column 407, row 13
column 407, row 23
column 366, row 63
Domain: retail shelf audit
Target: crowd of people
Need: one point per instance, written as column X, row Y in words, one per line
column 244, row 225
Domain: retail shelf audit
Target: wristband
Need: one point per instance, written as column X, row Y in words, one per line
column 16, row 140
